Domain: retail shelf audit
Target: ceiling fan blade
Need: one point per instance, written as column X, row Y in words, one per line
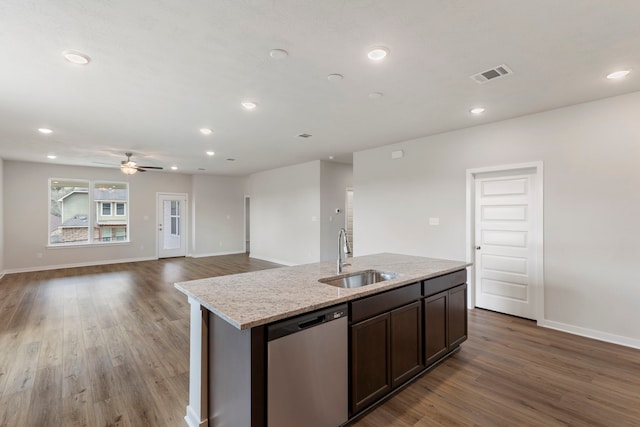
column 107, row 164
column 139, row 169
column 151, row 167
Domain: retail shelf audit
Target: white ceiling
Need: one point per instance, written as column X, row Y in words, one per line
column 162, row 69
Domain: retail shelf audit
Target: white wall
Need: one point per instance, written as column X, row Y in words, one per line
column 334, row 180
column 591, row 154
column 26, row 215
column 285, row 209
column 217, row 207
column 1, row 217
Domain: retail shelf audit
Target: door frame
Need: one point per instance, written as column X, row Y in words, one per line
column 186, row 220
column 244, row 208
column 538, row 229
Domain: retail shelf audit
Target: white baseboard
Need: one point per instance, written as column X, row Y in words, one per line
column 590, row 333
column 74, row 265
column 216, row 254
column 276, row 261
column 193, row 420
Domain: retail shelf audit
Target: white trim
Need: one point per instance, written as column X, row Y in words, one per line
column 216, row 254
column 275, row 261
column 538, row 228
column 244, row 225
column 193, row 420
column 591, row 333
column 2, row 273
column 88, row 245
column 79, row 264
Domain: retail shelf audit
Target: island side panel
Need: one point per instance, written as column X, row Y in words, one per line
column 236, row 375
column 197, row 410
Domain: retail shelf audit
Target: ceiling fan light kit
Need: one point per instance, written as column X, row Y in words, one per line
column 129, row 167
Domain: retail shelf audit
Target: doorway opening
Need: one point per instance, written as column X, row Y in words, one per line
column 505, row 239
column 247, row 225
column 348, row 218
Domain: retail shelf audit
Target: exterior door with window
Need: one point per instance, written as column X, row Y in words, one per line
column 172, row 240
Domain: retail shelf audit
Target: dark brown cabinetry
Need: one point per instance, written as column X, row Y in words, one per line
column 398, row 334
column 386, row 350
column 445, row 322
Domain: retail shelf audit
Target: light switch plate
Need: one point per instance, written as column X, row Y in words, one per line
column 434, row 221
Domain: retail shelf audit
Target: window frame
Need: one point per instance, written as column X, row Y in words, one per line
column 106, row 204
column 92, row 240
column 124, row 208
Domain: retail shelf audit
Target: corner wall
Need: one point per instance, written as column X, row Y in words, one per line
column 1, row 217
column 591, row 227
column 217, row 215
column 285, row 209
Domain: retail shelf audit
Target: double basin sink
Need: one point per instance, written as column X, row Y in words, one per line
column 359, row 278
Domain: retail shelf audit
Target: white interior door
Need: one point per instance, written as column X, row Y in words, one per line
column 505, row 261
column 172, row 231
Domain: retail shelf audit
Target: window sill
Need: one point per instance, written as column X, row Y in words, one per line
column 84, row 245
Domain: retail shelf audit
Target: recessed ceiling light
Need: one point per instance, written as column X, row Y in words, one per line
column 278, row 53
column 51, row 156
column 249, row 105
column 375, row 95
column 335, row 77
column 618, row 74
column 477, row 110
column 174, row 168
column 75, row 57
column 45, row 131
column 210, row 153
column 206, row 131
column 377, row 54
column 331, row 157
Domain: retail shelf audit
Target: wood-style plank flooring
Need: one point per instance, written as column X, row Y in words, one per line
column 108, row 346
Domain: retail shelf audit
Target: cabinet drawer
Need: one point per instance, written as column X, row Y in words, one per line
column 370, row 306
column 442, row 283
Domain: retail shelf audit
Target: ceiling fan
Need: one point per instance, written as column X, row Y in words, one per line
column 129, row 167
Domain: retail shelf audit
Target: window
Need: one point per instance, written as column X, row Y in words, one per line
column 74, row 203
column 175, row 217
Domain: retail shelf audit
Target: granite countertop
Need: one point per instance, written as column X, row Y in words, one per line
column 252, row 299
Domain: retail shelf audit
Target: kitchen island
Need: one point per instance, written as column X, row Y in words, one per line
column 230, row 317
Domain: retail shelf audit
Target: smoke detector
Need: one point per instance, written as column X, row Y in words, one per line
column 492, row 74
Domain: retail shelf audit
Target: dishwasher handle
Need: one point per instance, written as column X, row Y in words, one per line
column 311, row 322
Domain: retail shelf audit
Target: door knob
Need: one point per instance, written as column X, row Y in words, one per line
column 478, row 248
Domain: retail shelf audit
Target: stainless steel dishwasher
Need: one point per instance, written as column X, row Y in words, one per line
column 307, row 374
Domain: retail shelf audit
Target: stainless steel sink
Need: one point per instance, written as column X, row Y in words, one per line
column 360, row 278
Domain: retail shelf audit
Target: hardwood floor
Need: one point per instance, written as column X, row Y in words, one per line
column 510, row 372
column 100, row 346
column 108, row 346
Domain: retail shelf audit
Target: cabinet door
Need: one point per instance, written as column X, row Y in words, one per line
column 457, row 316
column 406, row 343
column 435, row 327
column 370, row 361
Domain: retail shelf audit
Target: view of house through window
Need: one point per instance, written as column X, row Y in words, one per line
column 82, row 212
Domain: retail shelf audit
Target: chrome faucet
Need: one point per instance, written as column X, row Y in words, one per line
column 342, row 248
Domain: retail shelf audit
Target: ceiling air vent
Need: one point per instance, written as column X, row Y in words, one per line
column 492, row 74
column 304, row 135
